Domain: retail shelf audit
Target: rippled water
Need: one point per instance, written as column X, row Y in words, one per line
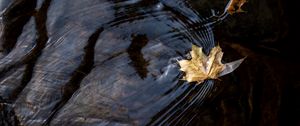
column 104, row 62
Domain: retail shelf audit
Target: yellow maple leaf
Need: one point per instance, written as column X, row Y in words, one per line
column 201, row 67
column 235, row 6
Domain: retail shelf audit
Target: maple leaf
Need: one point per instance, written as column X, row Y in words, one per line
column 201, row 67
column 235, row 6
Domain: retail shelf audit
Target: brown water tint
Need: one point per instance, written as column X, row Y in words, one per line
column 113, row 62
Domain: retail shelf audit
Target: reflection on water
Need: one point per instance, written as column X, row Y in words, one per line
column 104, row 62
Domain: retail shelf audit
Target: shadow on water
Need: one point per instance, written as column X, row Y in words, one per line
column 135, row 54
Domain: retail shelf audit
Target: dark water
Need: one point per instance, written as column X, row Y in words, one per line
column 113, row 62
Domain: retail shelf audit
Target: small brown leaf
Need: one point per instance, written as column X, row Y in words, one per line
column 235, row 6
column 200, row 67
